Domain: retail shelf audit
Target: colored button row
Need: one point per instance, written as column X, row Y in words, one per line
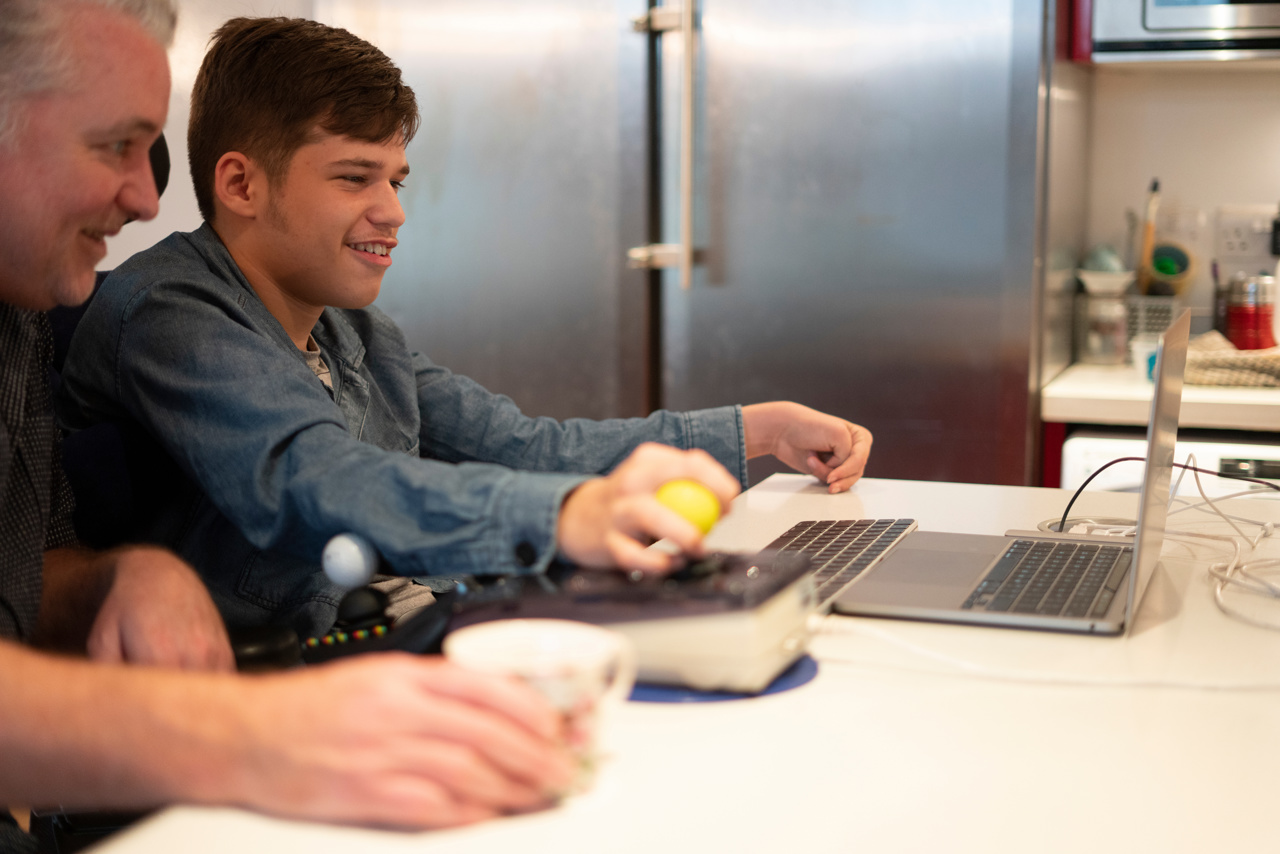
column 344, row 637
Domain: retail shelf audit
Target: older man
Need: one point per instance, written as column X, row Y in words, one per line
column 84, row 90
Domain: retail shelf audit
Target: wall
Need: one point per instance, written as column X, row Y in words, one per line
column 1211, row 134
column 1066, row 208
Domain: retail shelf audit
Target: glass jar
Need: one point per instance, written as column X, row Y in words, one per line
column 1251, row 312
column 1102, row 329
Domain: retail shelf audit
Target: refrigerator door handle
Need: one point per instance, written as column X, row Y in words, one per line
column 662, row 19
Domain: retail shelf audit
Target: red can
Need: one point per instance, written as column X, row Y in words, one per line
column 1251, row 312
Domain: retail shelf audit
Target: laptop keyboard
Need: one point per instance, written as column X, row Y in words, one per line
column 840, row 550
column 1031, row 577
column 1054, row 579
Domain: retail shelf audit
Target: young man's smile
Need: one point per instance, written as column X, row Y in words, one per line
column 376, row 252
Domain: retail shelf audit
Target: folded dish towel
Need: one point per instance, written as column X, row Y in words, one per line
column 1213, row 360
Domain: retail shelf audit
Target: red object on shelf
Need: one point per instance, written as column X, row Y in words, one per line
column 1251, row 312
column 1249, row 327
column 1082, row 31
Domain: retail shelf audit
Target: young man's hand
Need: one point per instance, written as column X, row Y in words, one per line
column 831, row 449
column 158, row 612
column 610, row 521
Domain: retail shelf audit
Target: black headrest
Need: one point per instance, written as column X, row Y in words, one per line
column 160, row 163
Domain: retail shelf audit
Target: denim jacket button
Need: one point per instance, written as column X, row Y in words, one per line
column 526, row 553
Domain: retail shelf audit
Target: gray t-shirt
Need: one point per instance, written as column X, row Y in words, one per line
column 316, row 362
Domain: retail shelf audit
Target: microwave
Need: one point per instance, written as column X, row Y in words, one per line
column 1182, row 30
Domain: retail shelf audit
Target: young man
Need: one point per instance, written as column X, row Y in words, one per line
column 84, row 91
column 249, row 350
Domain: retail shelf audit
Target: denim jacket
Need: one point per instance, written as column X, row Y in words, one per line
column 441, row 475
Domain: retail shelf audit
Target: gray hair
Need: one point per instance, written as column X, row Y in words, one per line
column 33, row 58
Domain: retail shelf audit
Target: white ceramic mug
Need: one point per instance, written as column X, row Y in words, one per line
column 579, row 668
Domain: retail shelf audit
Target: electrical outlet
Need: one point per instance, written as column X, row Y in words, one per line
column 1244, row 232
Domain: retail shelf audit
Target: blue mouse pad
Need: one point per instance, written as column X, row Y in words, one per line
column 794, row 676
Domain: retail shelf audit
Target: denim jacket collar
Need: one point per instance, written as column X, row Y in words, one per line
column 332, row 332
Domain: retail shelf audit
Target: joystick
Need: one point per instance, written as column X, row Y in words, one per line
column 350, row 561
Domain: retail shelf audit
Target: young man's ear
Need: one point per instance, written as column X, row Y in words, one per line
column 240, row 185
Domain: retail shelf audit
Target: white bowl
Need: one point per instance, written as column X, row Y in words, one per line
column 1105, row 283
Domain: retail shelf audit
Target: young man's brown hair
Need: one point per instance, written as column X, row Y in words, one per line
column 267, row 84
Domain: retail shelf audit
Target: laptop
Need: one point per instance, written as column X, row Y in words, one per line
column 1034, row 580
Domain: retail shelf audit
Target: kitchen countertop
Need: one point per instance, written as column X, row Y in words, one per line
column 1103, row 394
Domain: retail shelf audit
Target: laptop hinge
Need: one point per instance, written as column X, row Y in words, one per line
column 1070, row 538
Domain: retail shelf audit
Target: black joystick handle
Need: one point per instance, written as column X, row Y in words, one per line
column 362, row 608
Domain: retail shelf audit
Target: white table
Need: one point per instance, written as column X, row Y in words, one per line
column 915, row 737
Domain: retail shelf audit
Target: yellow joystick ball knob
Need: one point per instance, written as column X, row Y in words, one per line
column 691, row 500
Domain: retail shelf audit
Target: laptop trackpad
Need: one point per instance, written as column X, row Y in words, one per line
column 927, row 569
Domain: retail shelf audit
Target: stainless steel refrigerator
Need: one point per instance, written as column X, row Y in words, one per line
column 861, row 210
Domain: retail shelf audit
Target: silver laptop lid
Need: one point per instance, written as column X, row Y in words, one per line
column 1162, row 434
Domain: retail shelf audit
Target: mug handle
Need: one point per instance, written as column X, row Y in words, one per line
column 624, row 671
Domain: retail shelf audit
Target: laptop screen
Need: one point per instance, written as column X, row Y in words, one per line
column 1162, row 433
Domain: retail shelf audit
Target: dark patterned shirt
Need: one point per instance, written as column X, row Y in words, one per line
column 12, row 839
column 35, row 500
